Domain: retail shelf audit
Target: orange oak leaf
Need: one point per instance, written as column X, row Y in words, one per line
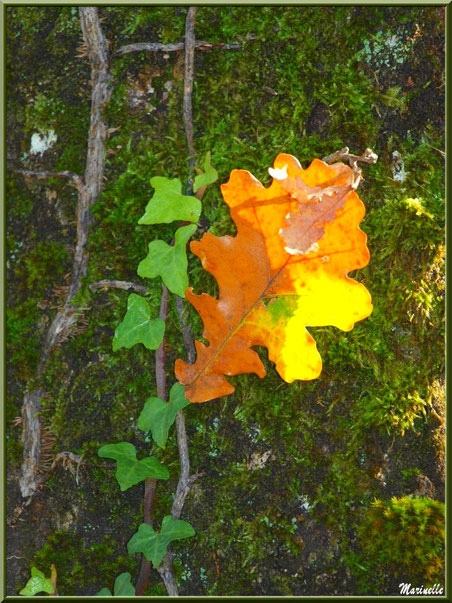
column 317, row 205
column 269, row 292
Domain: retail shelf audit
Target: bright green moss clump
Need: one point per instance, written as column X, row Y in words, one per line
column 406, row 535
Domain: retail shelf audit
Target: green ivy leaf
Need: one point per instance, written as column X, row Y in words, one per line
column 104, row 592
column 129, row 470
column 209, row 176
column 123, row 587
column 169, row 204
column 138, row 327
column 157, row 415
column 154, row 544
column 38, row 583
column 169, row 262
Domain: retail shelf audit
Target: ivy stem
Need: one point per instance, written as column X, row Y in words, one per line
column 160, row 355
column 150, row 487
column 150, row 484
column 166, row 569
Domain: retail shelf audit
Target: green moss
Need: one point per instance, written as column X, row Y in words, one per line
column 22, row 347
column 83, row 570
column 405, row 536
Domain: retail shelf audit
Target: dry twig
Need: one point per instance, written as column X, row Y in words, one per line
column 89, row 188
column 156, row 47
column 343, row 154
column 188, row 84
column 74, row 179
column 109, row 284
column 68, row 459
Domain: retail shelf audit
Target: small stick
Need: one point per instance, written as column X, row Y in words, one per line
column 115, row 284
column 89, row 189
column 367, row 157
column 185, row 481
column 75, row 179
column 188, row 85
column 186, row 332
column 66, row 455
column 156, row 47
column 150, row 486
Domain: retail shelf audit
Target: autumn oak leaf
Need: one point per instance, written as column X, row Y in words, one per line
column 317, row 204
column 284, row 271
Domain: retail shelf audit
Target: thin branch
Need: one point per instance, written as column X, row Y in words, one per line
column 109, row 284
column 150, row 487
column 74, row 179
column 188, row 86
column 367, row 157
column 156, row 47
column 343, row 154
column 186, row 332
column 185, row 479
column 68, row 458
column 89, row 188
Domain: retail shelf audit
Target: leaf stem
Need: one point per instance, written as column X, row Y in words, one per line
column 160, row 355
column 185, row 482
